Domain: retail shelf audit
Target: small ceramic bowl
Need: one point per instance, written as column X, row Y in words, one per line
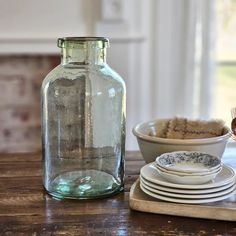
column 188, row 173
column 188, row 179
column 188, row 162
column 151, row 147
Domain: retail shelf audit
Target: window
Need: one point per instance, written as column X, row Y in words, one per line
column 226, row 59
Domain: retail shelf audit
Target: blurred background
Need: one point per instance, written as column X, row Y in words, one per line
column 177, row 57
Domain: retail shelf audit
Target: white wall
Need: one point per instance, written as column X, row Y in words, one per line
column 32, row 27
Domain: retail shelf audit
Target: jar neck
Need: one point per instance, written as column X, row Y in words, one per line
column 83, row 56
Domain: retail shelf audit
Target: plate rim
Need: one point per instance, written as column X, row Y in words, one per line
column 188, row 191
column 164, row 182
column 189, row 196
column 187, row 201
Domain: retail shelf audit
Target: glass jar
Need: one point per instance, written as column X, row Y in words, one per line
column 83, row 122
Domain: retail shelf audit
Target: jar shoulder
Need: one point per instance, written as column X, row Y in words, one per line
column 101, row 72
column 52, row 75
column 109, row 72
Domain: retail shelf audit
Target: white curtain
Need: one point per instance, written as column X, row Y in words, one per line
column 162, row 48
column 183, row 67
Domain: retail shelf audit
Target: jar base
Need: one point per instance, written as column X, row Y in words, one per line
column 84, row 184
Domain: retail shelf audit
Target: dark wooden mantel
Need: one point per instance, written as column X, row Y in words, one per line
column 25, row 209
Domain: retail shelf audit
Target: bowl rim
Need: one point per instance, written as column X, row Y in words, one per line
column 218, row 168
column 189, row 154
column 138, row 134
column 178, row 179
column 180, row 175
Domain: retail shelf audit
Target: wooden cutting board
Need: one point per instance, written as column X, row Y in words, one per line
column 221, row 210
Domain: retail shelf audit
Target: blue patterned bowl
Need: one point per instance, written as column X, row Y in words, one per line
column 188, row 162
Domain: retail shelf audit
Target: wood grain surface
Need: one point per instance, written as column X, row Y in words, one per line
column 220, row 210
column 25, row 209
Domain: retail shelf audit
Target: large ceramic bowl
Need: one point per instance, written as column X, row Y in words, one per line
column 151, row 147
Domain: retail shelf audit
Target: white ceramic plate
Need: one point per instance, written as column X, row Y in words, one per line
column 188, row 201
column 186, row 191
column 189, row 196
column 226, row 176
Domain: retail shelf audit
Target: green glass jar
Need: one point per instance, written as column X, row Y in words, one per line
column 83, row 122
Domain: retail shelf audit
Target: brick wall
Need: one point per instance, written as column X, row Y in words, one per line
column 20, row 81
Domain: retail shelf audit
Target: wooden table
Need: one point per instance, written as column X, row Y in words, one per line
column 25, row 209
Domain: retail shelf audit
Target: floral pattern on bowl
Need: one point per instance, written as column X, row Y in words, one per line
column 190, row 162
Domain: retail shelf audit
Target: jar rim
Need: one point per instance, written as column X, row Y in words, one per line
column 83, row 42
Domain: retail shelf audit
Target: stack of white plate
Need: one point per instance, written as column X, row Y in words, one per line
column 219, row 188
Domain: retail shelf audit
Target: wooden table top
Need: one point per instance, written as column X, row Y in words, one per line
column 25, row 209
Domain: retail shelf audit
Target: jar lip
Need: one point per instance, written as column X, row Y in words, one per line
column 82, row 42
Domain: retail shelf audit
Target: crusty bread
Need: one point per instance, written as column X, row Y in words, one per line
column 183, row 128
